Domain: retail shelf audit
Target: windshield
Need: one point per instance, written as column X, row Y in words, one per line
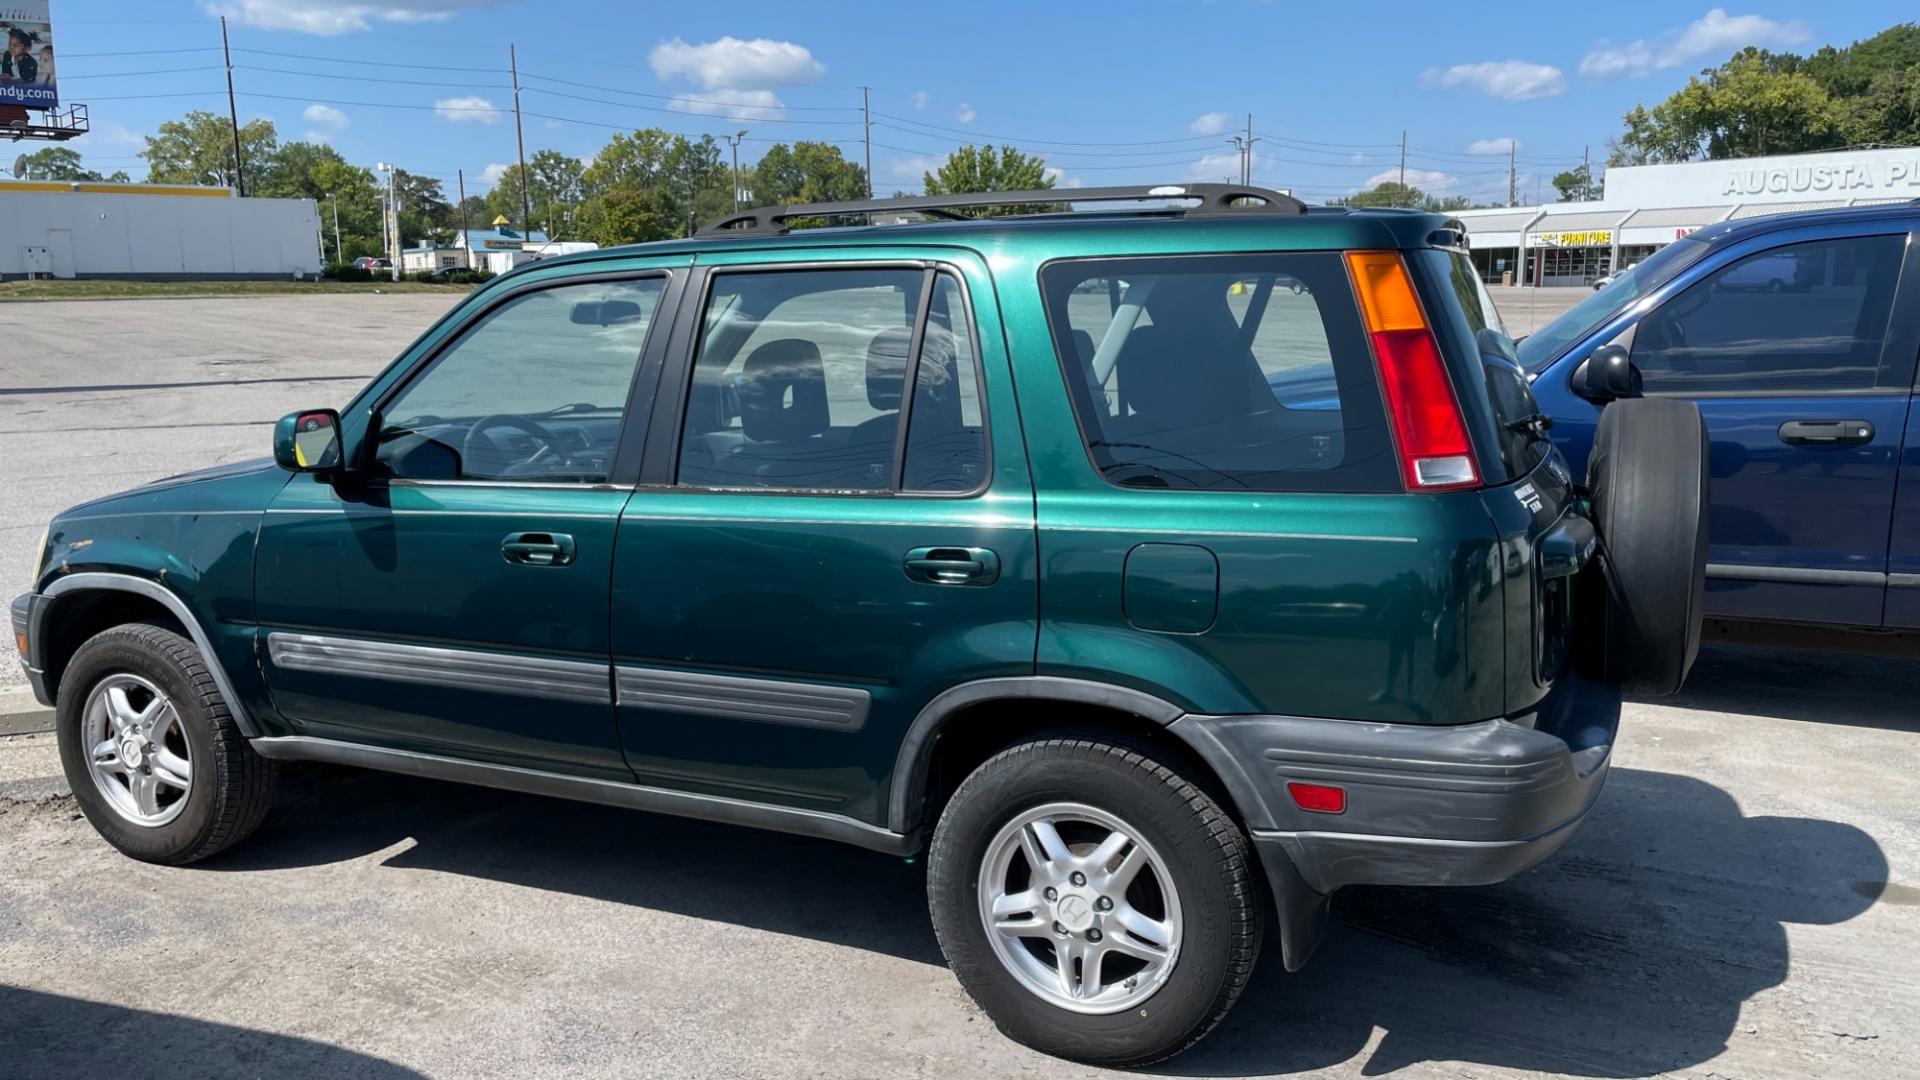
column 1543, row 348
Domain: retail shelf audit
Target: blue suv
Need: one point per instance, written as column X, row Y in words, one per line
column 1796, row 334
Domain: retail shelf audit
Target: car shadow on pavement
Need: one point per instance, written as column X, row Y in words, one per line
column 1804, row 684
column 1629, row 953
column 57, row 1037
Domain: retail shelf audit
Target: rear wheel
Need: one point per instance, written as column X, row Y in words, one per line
column 1648, row 477
column 151, row 751
column 1096, row 904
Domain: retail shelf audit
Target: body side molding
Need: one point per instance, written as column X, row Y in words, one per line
column 170, row 600
column 504, row 673
column 606, row 792
column 910, row 765
column 773, row 701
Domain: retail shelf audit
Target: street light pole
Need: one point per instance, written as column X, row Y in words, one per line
column 392, row 216
column 734, row 142
column 337, row 256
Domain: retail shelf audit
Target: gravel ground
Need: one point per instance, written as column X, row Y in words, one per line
column 1742, row 903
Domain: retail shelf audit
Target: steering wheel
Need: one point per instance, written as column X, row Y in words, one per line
column 478, row 439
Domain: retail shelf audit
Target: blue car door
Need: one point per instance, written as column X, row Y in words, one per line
column 1803, row 368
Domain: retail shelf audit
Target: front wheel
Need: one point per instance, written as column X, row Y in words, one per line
column 151, row 751
column 1094, row 903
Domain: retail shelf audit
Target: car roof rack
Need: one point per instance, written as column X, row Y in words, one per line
column 1212, row 199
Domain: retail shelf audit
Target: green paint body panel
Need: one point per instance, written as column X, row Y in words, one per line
column 1396, row 608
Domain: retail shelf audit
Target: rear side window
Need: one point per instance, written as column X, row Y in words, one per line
column 801, row 384
column 1521, row 441
column 1804, row 318
column 1221, row 373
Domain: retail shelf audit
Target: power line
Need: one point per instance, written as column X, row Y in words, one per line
column 1053, row 142
column 135, row 52
column 372, row 78
column 681, row 97
column 130, row 74
column 464, row 68
column 687, row 112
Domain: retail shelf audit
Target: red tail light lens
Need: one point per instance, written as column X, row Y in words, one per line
column 1428, row 427
column 1318, row 798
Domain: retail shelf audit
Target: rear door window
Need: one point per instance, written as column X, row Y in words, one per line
column 1223, row 373
column 1804, row 318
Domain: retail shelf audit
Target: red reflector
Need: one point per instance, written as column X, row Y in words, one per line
column 1427, row 425
column 1318, row 798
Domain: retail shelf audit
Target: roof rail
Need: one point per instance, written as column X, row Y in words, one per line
column 1212, row 199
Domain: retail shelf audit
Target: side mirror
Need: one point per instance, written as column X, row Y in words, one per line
column 1607, row 375
column 308, row 441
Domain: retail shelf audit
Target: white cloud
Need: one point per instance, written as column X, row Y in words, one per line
column 1212, row 123
column 735, row 104
column 1061, row 179
column 493, row 172
column 920, row 100
column 1513, row 80
column 1359, row 159
column 730, row 63
column 467, row 110
column 325, row 117
column 1714, row 34
column 963, row 112
column 1222, row 166
column 1493, row 146
column 330, row 17
column 1432, row 181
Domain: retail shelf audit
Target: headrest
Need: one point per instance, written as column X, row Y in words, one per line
column 887, row 367
column 783, row 392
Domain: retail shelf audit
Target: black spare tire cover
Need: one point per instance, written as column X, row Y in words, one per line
column 1648, row 478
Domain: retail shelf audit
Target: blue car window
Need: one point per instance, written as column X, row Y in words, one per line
column 1804, row 318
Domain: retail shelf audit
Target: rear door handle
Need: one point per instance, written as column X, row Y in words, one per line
column 953, row 565
column 538, row 548
column 1826, row 432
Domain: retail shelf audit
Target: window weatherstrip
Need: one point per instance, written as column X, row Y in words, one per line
column 910, row 379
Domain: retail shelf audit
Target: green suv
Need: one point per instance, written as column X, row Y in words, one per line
column 1157, row 570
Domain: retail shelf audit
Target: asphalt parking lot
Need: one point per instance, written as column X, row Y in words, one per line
column 1742, row 904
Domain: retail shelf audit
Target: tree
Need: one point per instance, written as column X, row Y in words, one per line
column 1406, row 196
column 695, row 185
column 303, row 170
column 198, row 149
column 1577, row 184
column 57, row 163
column 555, row 182
column 981, row 168
column 1761, row 102
column 806, row 172
column 425, row 213
column 634, row 161
column 504, row 200
column 624, row 216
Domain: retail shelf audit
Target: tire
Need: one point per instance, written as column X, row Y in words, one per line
column 1182, row 836
column 1648, row 478
column 229, row 787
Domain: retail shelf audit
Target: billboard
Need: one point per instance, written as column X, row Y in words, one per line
column 26, row 64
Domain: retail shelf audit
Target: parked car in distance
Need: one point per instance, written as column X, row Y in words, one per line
column 368, row 262
column 1606, row 279
column 1267, row 582
column 1796, row 335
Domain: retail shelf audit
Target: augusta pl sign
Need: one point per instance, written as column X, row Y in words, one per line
column 1860, row 179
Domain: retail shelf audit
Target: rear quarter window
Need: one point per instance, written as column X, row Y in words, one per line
column 1221, row 372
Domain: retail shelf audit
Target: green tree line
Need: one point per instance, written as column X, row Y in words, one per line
column 1762, row 102
column 645, row 185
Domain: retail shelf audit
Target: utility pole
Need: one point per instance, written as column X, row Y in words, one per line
column 466, row 252
column 233, row 116
column 1513, row 176
column 734, row 142
column 526, row 195
column 392, row 217
column 1246, row 164
column 866, row 125
column 1240, row 151
column 1403, row 163
column 335, row 200
column 1586, row 174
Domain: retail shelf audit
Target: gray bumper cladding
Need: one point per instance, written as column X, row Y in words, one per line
column 26, row 615
column 1467, row 804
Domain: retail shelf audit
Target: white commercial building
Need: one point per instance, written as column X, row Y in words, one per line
column 1647, row 207
column 67, row 229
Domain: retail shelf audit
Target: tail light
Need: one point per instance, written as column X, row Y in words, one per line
column 1428, row 428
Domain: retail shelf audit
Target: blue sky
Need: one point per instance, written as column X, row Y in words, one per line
column 1130, row 92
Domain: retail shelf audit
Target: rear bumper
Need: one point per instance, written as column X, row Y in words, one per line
column 28, row 609
column 1467, row 804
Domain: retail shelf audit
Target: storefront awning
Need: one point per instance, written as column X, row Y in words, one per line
column 1670, row 217
column 1752, row 210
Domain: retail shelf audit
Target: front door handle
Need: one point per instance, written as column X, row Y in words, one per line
column 538, row 548
column 953, row 565
column 1826, row 432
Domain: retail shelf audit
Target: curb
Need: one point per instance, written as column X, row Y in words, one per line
column 20, row 714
